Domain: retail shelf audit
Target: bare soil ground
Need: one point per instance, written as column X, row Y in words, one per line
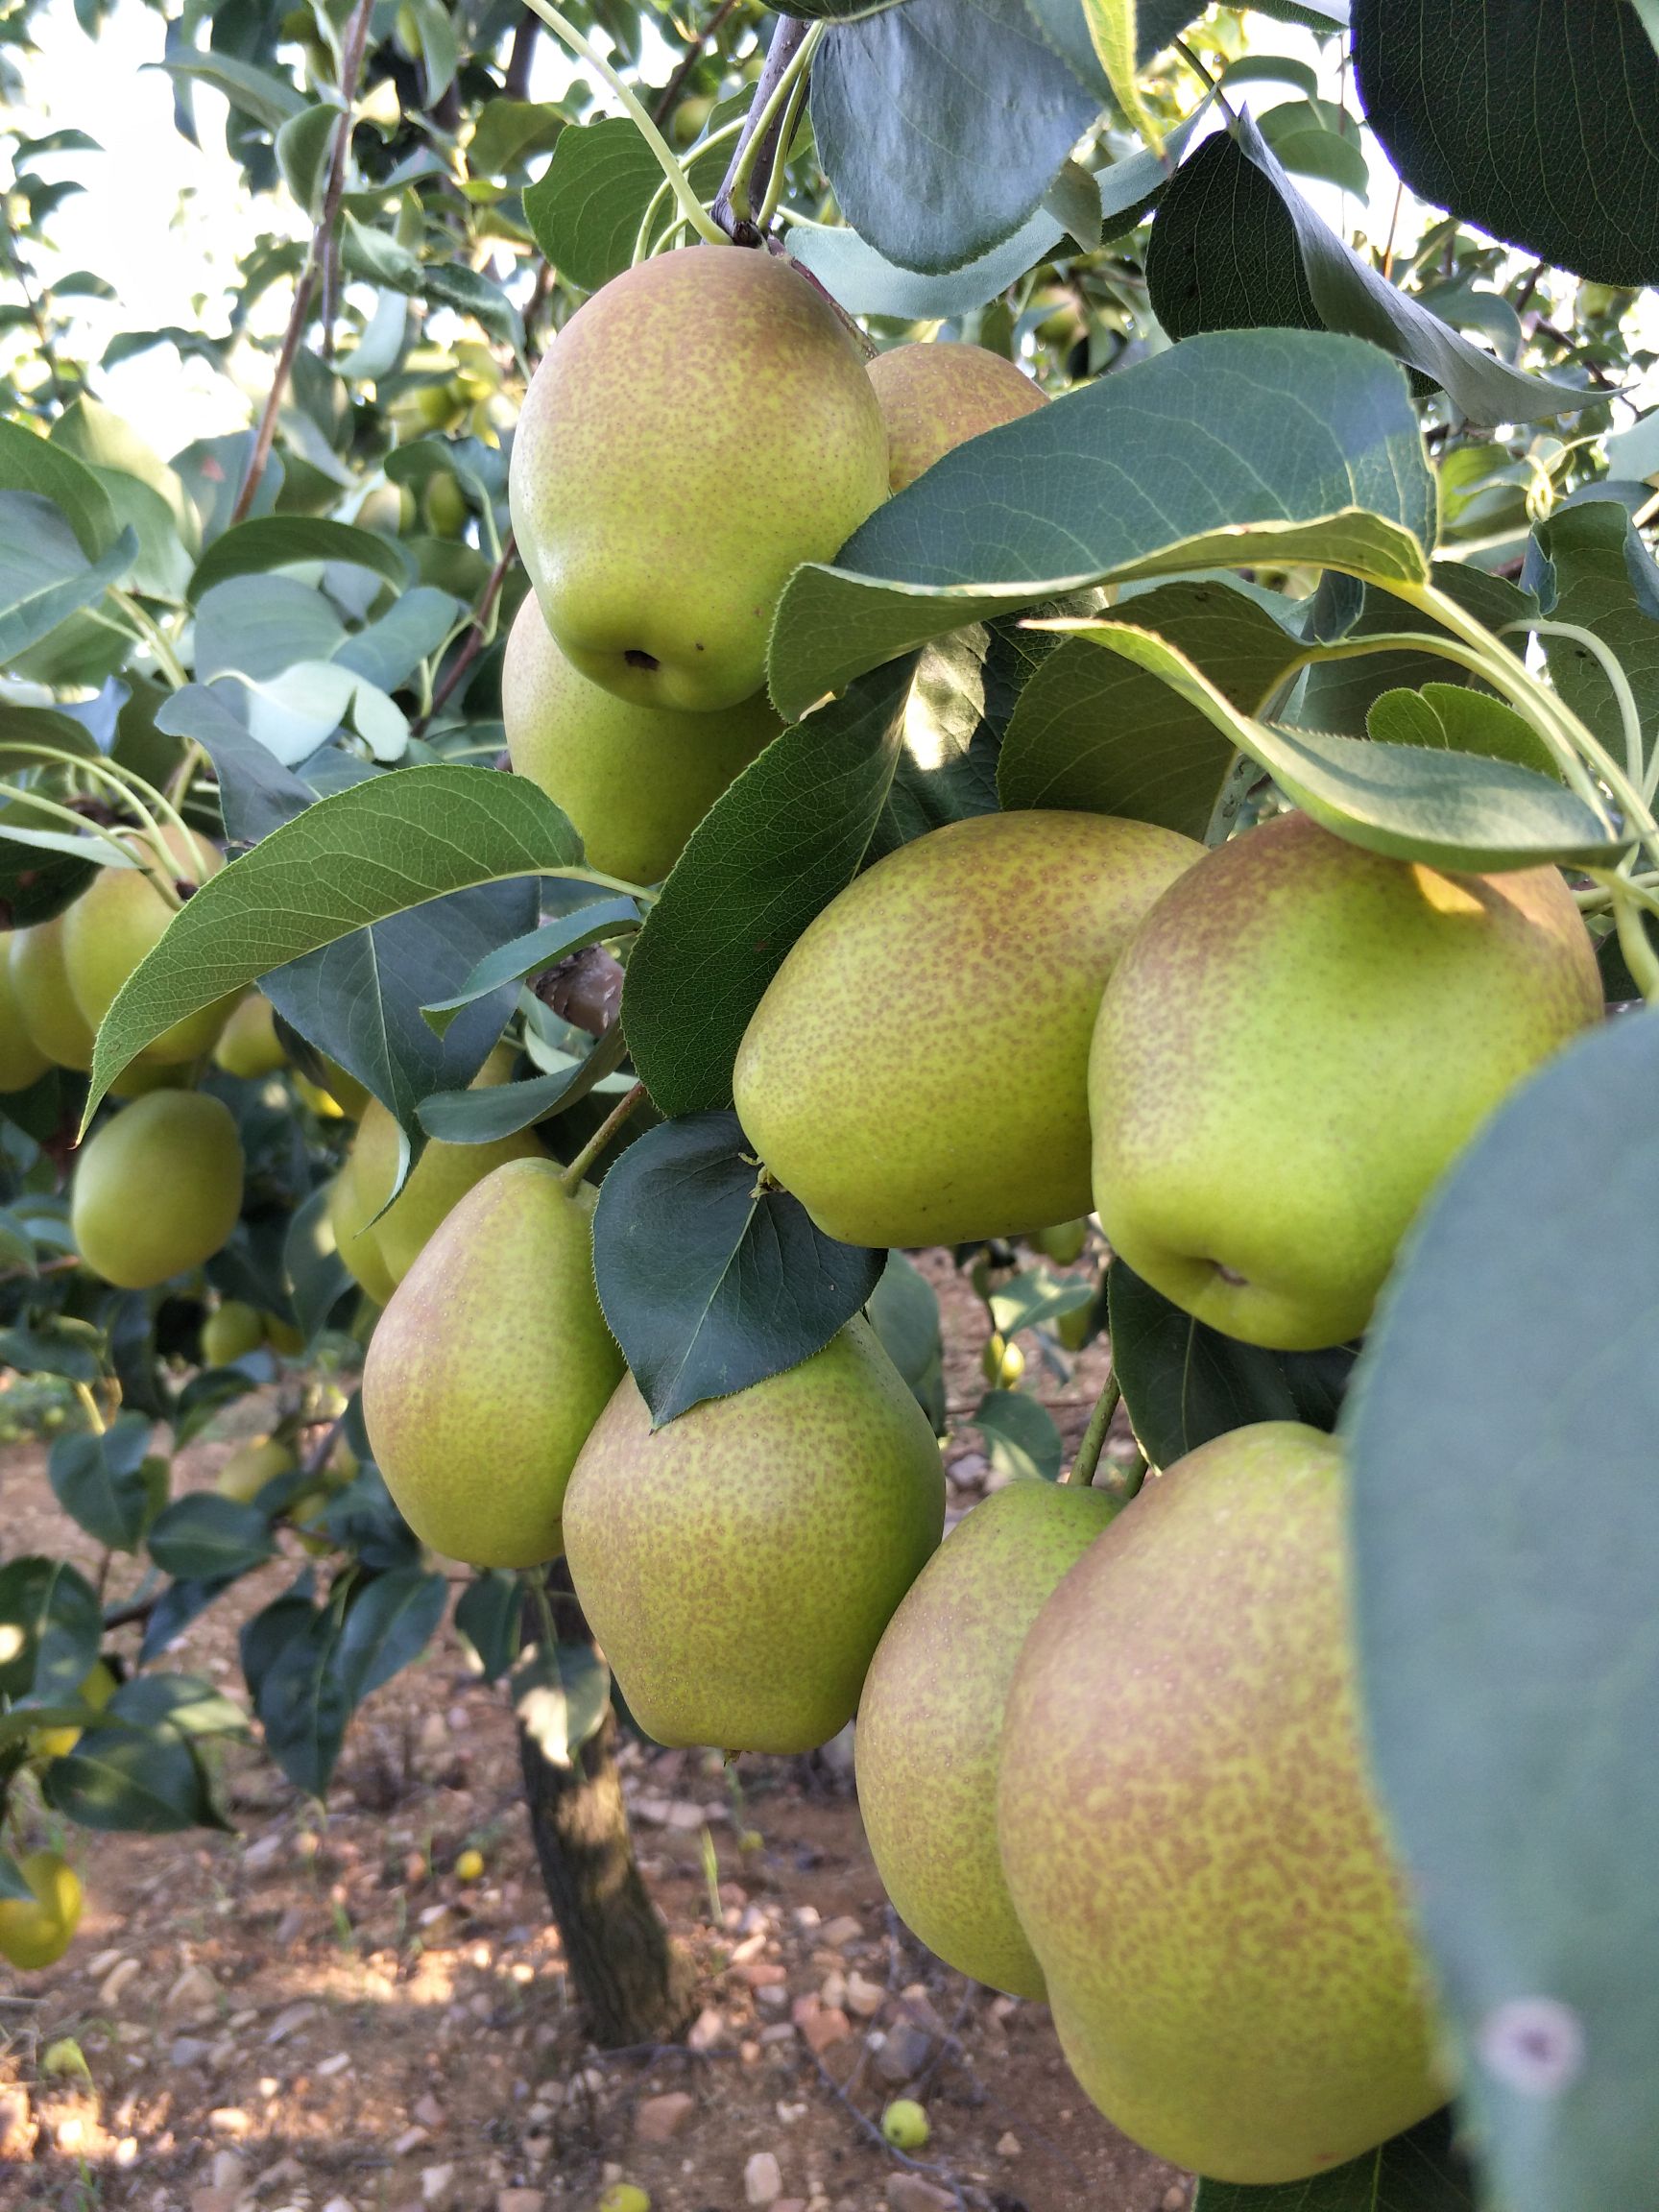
column 317, row 2013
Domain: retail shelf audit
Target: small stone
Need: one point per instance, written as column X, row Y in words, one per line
column 1009, row 2146
column 339, row 2204
column 189, row 2051
column 120, row 1977
column 762, row 2181
column 438, row 2188
column 214, row 2199
column 909, row 2193
column 790, row 2204
column 290, row 2018
column 917, row 2007
column 411, row 2139
column 16, row 2133
column 902, row 2054
column 774, row 1996
column 429, row 2112
column 228, row 2171
column 337, row 2064
column 779, row 2031
column 433, row 1734
column 686, row 1816
column 1174, row 2198
column 864, row 1997
column 761, row 1973
column 836, row 1934
column 194, row 1992
column 660, row 2119
column 521, row 2200
column 707, row 2032
column 822, row 2025
column 230, row 2120
column 263, row 1853
column 832, row 1989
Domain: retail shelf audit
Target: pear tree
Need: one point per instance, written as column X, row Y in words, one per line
column 1030, row 626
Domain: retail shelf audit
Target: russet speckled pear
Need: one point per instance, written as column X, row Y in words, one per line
column 22, row 1062
column 1190, row 1835
column 701, row 427
column 40, row 984
column 916, row 1072
column 931, row 1724
column 117, row 919
column 379, row 1248
column 1300, row 1040
column 935, row 396
column 738, row 1566
column 157, row 1188
column 489, row 1366
column 634, row 780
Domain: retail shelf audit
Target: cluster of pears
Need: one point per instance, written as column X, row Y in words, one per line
column 701, row 425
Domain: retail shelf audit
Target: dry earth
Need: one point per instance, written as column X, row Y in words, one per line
column 316, row 2014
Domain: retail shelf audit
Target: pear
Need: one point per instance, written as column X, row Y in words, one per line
column 231, row 1331
column 489, row 1366
column 935, row 396
column 915, row 1072
column 96, row 1689
column 1188, row 1833
column 117, row 919
column 40, row 984
column 379, row 1246
column 157, row 1188
column 36, row 1932
column 739, row 1565
column 636, row 780
column 249, row 1044
column 930, row 1722
column 699, row 428
column 21, row 1060
column 251, row 1466
column 1301, row 1038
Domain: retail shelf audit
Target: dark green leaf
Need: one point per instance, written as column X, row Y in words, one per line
column 1452, row 718
column 543, row 946
column 36, row 465
column 586, row 209
column 709, row 1285
column 269, row 99
column 143, row 1781
column 317, row 1276
column 1034, row 1299
column 559, row 1696
column 203, row 1537
column 1418, row 2171
column 1184, row 1383
column 388, row 1622
column 54, row 1610
column 177, row 1605
column 53, row 1346
column 1532, row 118
column 361, row 1519
column 285, row 540
column 502, row 1108
column 11, row 1881
column 1589, row 566
column 1504, row 1524
column 44, row 576
column 941, row 124
column 1020, row 1437
column 1178, row 462
column 488, row 1614
column 291, row 1658
column 904, row 1312
column 184, row 1703
column 100, row 1481
column 789, row 833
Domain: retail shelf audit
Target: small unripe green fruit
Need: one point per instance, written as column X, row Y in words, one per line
column 249, row 1044
column 117, row 919
column 157, row 1188
column 36, row 1931
column 40, row 984
column 905, row 2124
column 251, row 1466
column 1002, row 1363
column 231, row 1331
column 21, row 1060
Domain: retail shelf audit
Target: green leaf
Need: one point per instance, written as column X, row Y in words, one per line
column 439, row 47
column 903, row 1311
column 488, row 1614
column 184, row 1703
column 1034, row 1298
column 54, row 1630
column 1107, row 737
column 32, row 464
column 388, row 1624
column 290, row 1659
column 147, row 1782
column 1453, row 718
column 11, row 1881
column 100, row 1481
column 44, row 577
column 1509, row 1669
column 1020, row 1437
column 203, row 1537
column 317, row 1276
column 549, row 943
column 270, row 100
column 561, row 1696
column 1317, row 139
column 942, row 124
column 391, row 843
column 774, row 849
column 287, row 540
column 1530, row 118
column 1178, row 462
column 1114, row 29
column 1185, row 1383
column 586, row 209
column 1418, row 2171
column 305, row 144
column 1235, row 245
column 1453, row 811
column 509, row 132
column 1589, row 566
column 709, row 1283
column 99, row 436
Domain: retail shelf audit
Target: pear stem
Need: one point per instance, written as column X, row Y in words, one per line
column 601, row 1137
column 761, row 149
column 1082, row 1470
column 679, row 182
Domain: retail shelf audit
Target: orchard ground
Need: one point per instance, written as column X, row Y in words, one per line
column 317, row 2012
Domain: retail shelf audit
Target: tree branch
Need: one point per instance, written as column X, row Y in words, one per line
column 473, row 644
column 675, row 84
column 318, row 257
column 787, row 40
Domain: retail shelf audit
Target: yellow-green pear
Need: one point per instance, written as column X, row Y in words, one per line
column 1300, row 1040
column 249, row 1044
column 935, row 396
column 21, row 1060
column 251, row 1466
column 489, row 1366
column 916, row 1072
column 36, row 1932
column 739, row 1565
column 40, row 984
column 1190, row 1835
column 157, row 1188
column 117, row 919
column 379, row 1248
column 636, row 780
column 231, row 1331
column 701, row 425
column 930, row 1722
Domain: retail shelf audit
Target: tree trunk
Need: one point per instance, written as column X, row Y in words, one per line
column 632, row 1982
